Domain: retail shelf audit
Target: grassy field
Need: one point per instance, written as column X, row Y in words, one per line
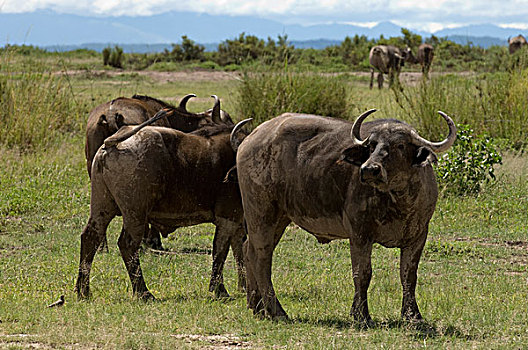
column 472, row 287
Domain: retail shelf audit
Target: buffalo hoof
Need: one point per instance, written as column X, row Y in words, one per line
column 82, row 296
column 365, row 323
column 411, row 315
column 280, row 318
column 103, row 247
column 83, row 293
column 220, row 292
column 154, row 244
column 241, row 284
column 146, row 296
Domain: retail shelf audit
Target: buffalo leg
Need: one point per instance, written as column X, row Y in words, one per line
column 391, row 77
column 221, row 242
column 371, row 77
column 409, row 259
column 237, row 242
column 254, row 299
column 91, row 238
column 129, row 243
column 262, row 241
column 362, row 273
column 380, row 80
column 425, row 71
column 103, row 246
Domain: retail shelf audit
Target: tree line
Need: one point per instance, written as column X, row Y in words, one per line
column 351, row 54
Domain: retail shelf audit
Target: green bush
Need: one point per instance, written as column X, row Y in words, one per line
column 265, row 95
column 469, row 164
column 113, row 57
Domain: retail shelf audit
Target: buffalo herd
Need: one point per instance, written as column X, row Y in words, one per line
column 161, row 167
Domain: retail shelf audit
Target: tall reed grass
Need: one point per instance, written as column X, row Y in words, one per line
column 36, row 105
column 264, row 95
column 492, row 104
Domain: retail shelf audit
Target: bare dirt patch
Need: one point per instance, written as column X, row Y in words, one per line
column 167, row 77
column 216, row 342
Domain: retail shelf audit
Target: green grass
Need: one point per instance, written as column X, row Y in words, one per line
column 471, row 285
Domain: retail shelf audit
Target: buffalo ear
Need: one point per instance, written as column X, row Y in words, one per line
column 119, row 120
column 356, row 155
column 102, row 120
column 424, row 156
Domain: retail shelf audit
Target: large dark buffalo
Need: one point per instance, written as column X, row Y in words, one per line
column 368, row 183
column 388, row 59
column 106, row 119
column 169, row 179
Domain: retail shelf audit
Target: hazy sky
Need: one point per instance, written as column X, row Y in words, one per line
column 427, row 15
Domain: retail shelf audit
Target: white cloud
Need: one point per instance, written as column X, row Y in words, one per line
column 522, row 26
column 362, row 24
column 424, row 14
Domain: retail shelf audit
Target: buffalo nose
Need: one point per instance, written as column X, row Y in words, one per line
column 370, row 171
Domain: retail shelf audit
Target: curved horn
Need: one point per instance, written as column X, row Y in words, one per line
column 354, row 133
column 442, row 145
column 185, row 99
column 217, row 119
column 232, row 138
column 117, row 137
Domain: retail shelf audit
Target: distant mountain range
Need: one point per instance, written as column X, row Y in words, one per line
column 55, row 31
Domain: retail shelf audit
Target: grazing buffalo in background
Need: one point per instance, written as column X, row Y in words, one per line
column 105, row 119
column 169, row 179
column 516, row 43
column 425, row 57
column 388, row 59
column 368, row 183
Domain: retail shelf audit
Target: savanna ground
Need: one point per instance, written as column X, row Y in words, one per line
column 472, row 285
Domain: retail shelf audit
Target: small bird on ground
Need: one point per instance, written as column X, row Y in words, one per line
column 59, row 302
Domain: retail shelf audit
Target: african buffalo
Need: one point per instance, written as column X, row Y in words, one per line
column 516, row 43
column 388, row 59
column 368, row 183
column 105, row 119
column 425, row 57
column 169, row 179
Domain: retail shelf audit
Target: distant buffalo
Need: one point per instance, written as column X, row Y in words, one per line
column 516, row 43
column 388, row 59
column 368, row 183
column 425, row 57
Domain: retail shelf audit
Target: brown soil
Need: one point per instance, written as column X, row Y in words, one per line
column 409, row 78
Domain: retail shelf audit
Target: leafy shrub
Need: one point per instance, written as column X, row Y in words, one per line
column 265, row 95
column 469, row 164
column 113, row 57
column 106, row 55
column 188, row 50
